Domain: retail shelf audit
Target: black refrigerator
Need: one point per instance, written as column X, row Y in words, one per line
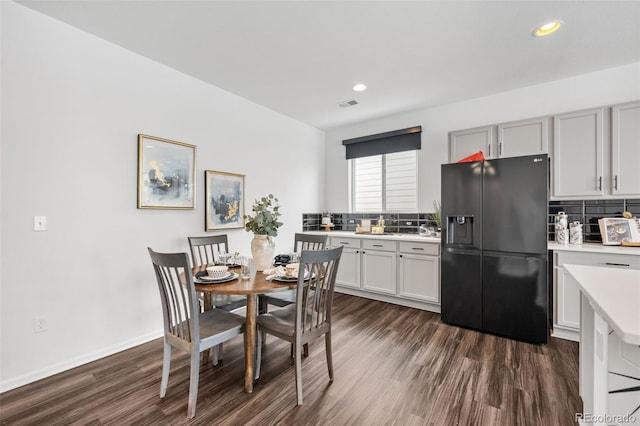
column 494, row 246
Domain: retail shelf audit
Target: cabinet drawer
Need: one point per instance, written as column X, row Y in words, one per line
column 379, row 245
column 347, row 242
column 599, row 259
column 420, row 248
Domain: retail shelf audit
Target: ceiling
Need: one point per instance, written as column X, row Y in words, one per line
column 301, row 58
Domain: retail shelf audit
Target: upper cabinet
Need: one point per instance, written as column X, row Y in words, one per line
column 578, row 154
column 463, row 143
column 596, row 153
column 625, row 149
column 525, row 137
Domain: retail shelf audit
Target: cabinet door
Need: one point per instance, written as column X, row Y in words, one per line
column 463, row 143
column 349, row 270
column 419, row 277
column 567, row 300
column 578, row 153
column 379, row 271
column 527, row 137
column 625, row 149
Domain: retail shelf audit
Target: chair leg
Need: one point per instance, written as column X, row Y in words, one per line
column 327, row 344
column 257, row 354
column 166, row 366
column 298, row 363
column 216, row 354
column 193, row 383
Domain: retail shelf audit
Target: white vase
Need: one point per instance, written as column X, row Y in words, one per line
column 262, row 250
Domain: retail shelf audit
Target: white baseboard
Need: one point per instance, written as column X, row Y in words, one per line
column 566, row 334
column 425, row 306
column 33, row 376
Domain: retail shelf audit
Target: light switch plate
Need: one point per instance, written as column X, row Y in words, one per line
column 39, row 223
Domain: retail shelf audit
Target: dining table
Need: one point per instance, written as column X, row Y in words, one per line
column 251, row 287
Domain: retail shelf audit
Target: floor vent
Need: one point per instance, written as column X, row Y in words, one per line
column 348, row 103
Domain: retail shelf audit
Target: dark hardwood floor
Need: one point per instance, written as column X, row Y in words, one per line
column 393, row 366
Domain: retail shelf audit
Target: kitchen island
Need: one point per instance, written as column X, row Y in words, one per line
column 609, row 343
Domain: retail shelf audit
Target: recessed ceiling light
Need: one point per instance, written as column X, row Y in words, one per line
column 548, row 28
column 359, row 87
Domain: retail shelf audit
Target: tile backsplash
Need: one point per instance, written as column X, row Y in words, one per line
column 584, row 211
column 405, row 223
column 589, row 211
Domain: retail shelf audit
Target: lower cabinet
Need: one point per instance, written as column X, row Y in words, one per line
column 402, row 272
column 419, row 274
column 566, row 314
column 379, row 266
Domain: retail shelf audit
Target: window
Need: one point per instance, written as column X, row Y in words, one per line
column 385, row 183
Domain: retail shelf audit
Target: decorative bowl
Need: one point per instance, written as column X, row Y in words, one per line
column 218, row 271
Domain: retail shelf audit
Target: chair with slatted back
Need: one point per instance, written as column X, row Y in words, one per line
column 205, row 250
column 310, row 317
column 185, row 327
column 284, row 298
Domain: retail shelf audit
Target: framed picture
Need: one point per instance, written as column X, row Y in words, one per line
column 224, row 200
column 166, row 174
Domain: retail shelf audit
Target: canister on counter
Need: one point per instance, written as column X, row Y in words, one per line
column 562, row 228
column 575, row 233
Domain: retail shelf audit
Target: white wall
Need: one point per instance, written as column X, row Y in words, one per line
column 615, row 85
column 72, row 106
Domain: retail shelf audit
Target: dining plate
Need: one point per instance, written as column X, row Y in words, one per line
column 285, row 279
column 206, row 280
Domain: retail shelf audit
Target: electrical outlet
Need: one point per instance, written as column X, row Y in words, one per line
column 39, row 223
column 40, row 324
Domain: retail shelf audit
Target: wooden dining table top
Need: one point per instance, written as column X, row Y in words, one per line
column 257, row 284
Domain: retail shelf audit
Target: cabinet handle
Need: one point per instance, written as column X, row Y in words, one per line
column 500, row 149
column 377, row 245
column 489, row 150
column 363, row 252
column 615, row 182
column 344, row 242
column 357, row 251
column 400, row 255
column 599, row 183
column 617, row 264
column 417, row 248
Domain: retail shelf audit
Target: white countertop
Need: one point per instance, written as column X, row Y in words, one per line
column 615, row 294
column 394, row 237
column 595, row 248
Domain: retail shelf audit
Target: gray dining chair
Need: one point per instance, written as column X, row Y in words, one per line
column 284, row 298
column 310, row 317
column 185, row 327
column 205, row 250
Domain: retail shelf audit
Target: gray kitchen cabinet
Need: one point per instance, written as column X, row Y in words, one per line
column 578, row 154
column 625, row 149
column 463, row 143
column 379, row 266
column 566, row 315
column 513, row 139
column 403, row 270
column 348, row 274
column 524, row 137
column 419, row 271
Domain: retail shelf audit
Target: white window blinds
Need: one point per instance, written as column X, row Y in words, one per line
column 385, row 182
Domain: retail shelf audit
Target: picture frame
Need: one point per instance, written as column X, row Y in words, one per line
column 166, row 174
column 224, row 200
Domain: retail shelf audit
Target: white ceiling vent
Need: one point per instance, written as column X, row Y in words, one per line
column 348, row 103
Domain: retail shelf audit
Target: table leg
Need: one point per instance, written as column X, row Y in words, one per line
column 250, row 342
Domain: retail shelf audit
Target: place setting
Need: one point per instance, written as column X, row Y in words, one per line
column 215, row 274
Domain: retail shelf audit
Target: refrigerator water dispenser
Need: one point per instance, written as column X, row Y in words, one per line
column 460, row 230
